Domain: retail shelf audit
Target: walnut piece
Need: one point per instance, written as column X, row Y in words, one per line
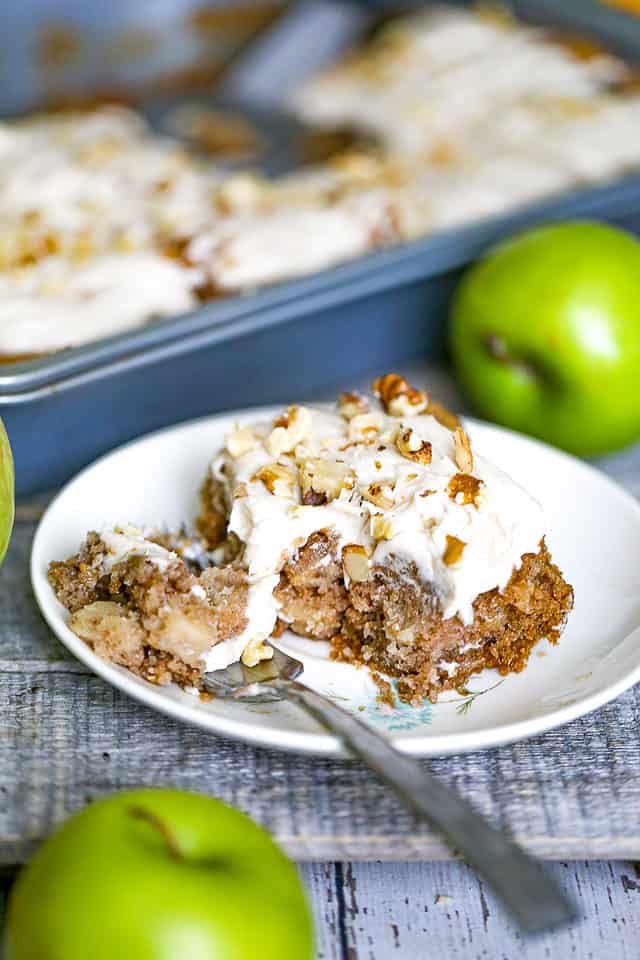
column 355, row 562
column 364, row 427
column 444, row 417
column 324, row 480
column 289, row 432
column 413, row 447
column 381, row 494
column 242, row 440
column 351, row 405
column 398, row 397
column 279, row 480
column 462, row 450
column 464, row 488
column 453, row 551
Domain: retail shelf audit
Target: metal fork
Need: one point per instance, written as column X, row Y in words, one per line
column 534, row 898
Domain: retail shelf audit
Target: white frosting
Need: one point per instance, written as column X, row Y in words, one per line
column 477, row 115
column 261, row 616
column 241, row 252
column 437, row 72
column 474, row 117
column 87, row 204
column 503, row 524
column 54, row 304
column 102, row 173
column 125, row 542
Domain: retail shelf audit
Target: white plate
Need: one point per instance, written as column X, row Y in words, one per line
column 594, row 535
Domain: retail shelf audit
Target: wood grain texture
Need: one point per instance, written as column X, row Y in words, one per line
column 396, row 911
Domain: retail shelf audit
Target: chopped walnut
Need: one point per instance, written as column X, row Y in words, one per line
column 351, row 405
column 381, row 494
column 364, row 428
column 464, row 488
column 381, row 527
column 288, row 433
column 398, row 397
column 242, row 440
column 453, row 551
column 355, row 562
column 279, row 480
column 413, row 447
column 324, row 480
column 444, row 417
column 462, row 450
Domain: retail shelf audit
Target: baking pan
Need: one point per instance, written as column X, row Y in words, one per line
column 286, row 341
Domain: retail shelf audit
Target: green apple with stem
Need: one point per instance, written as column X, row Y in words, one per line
column 545, row 336
column 159, row 875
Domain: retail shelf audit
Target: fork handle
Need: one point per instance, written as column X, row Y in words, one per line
column 534, row 898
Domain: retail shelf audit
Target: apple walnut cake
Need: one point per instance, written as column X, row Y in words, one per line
column 375, row 526
column 139, row 605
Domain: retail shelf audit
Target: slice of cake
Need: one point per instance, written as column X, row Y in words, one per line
column 374, row 526
column 379, row 528
column 138, row 604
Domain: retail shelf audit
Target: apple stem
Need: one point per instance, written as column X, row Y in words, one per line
column 496, row 347
column 158, row 824
column 499, row 351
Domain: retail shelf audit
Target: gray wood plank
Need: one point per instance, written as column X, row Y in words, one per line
column 395, row 910
column 24, row 635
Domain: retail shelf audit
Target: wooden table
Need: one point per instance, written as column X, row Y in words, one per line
column 570, row 795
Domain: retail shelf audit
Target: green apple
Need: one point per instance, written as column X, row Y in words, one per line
column 6, row 491
column 159, row 875
column 545, row 336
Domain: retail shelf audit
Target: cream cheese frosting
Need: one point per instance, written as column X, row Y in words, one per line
column 105, row 225
column 438, row 72
column 89, row 202
column 247, row 251
column 54, row 304
column 399, row 487
column 129, row 541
